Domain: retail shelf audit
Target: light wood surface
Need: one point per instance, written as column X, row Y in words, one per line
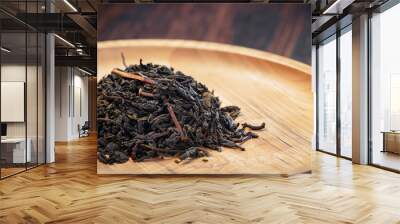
column 386, row 159
column 5, row 172
column 70, row 191
column 391, row 142
column 268, row 88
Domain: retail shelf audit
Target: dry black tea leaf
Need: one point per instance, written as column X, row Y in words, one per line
column 149, row 111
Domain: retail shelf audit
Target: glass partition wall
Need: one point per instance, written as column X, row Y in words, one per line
column 334, row 105
column 22, row 98
column 385, row 89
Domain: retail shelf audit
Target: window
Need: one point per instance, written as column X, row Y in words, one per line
column 346, row 93
column 334, row 73
column 385, row 89
column 327, row 96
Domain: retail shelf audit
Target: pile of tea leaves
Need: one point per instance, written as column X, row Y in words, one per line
column 150, row 112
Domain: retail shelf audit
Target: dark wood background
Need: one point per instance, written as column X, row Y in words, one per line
column 283, row 29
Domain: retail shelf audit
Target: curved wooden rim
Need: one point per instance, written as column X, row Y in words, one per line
column 212, row 46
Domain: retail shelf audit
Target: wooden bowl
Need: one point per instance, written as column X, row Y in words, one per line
column 268, row 88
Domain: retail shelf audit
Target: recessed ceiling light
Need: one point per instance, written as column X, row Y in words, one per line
column 337, row 7
column 84, row 71
column 5, row 50
column 65, row 41
column 70, row 5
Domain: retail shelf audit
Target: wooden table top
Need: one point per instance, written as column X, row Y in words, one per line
column 269, row 88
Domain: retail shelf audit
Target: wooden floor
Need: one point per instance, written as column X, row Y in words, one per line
column 10, row 171
column 70, row 191
column 387, row 159
column 5, row 172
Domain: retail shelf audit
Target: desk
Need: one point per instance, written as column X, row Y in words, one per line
column 391, row 141
column 13, row 150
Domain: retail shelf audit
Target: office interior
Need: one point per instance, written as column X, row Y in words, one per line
column 48, row 90
column 30, row 57
column 334, row 74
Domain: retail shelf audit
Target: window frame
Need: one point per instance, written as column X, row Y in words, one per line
column 333, row 37
column 381, row 9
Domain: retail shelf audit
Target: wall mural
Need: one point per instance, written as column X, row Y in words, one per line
column 204, row 89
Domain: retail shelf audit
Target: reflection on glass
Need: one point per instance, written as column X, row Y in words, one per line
column 31, row 98
column 22, row 91
column 327, row 96
column 14, row 153
column 32, row 87
column 385, row 114
column 346, row 94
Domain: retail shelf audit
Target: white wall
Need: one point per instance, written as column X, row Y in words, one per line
column 62, row 82
column 80, row 108
column 70, row 109
column 33, row 126
column 11, row 73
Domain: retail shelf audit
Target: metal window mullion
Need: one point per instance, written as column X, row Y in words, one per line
column 0, row 97
column 26, row 87
column 69, row 92
column 45, row 96
column 338, row 98
column 37, row 91
column 317, row 97
column 73, row 92
column 369, row 100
